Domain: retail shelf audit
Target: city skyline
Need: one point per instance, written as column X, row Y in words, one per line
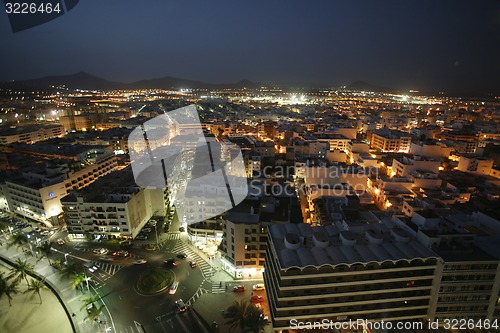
column 385, row 44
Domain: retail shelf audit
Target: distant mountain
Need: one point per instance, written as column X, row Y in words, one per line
column 83, row 80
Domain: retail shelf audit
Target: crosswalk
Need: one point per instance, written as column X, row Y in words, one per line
column 111, row 269
column 203, row 266
column 197, row 295
column 172, row 236
column 218, row 288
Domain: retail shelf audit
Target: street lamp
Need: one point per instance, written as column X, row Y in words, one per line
column 87, row 278
column 156, row 234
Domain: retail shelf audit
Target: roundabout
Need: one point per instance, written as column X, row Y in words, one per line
column 154, row 281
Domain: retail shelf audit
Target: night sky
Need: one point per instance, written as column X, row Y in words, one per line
column 426, row 45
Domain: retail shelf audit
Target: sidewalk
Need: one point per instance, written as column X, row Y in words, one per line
column 70, row 298
column 28, row 315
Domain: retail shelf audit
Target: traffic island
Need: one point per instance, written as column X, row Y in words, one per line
column 154, row 281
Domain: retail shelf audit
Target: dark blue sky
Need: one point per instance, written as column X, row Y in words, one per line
column 402, row 44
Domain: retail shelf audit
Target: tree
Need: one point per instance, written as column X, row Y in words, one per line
column 236, row 313
column 21, row 270
column 89, row 300
column 35, row 286
column 93, row 313
column 255, row 319
column 69, row 269
column 77, row 280
column 17, row 239
column 8, row 288
column 46, row 249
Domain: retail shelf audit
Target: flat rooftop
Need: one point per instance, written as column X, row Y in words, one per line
column 316, row 246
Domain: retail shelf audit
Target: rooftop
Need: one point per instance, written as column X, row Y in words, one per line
column 300, row 245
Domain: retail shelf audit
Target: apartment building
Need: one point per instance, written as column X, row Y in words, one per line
column 434, row 149
column 30, row 134
column 244, row 239
column 475, row 164
column 391, row 141
column 113, row 207
column 36, row 194
column 317, row 273
column 335, row 141
column 81, row 122
column 404, row 165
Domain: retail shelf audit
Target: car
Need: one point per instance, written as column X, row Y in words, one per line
column 152, row 223
column 239, row 288
column 121, row 253
column 181, row 306
column 193, row 264
column 139, row 261
column 126, row 242
column 173, row 288
column 61, row 242
column 151, row 248
column 171, row 261
column 256, row 299
column 141, row 237
column 146, row 230
column 90, row 266
column 37, row 229
column 258, row 286
column 182, row 256
column 100, row 251
column 181, row 229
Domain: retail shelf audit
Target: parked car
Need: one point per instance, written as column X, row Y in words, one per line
column 146, row 230
column 60, row 241
column 173, row 288
column 141, row 237
column 239, row 288
column 180, row 305
column 256, row 299
column 90, row 266
column 258, row 286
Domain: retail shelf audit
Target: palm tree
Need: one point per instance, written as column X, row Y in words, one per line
column 93, row 313
column 8, row 289
column 46, row 249
column 69, row 269
column 255, row 319
column 17, row 239
column 89, row 300
column 77, row 279
column 35, row 286
column 21, row 270
column 236, row 314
